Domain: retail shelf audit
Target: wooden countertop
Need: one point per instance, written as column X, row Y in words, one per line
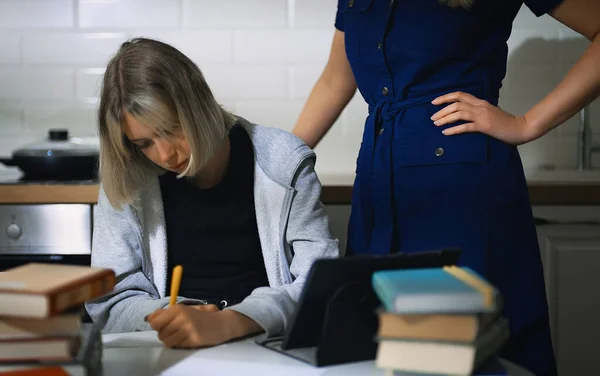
column 539, row 194
column 48, row 193
column 334, row 193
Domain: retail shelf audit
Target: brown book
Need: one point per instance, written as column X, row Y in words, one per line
column 44, row 290
column 442, row 358
column 45, row 349
column 453, row 328
column 35, row 371
column 59, row 325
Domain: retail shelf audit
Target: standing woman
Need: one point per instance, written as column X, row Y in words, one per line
column 438, row 164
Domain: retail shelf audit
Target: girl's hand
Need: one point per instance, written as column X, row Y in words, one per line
column 185, row 326
column 481, row 116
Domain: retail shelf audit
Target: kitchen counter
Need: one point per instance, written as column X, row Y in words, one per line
column 48, row 193
column 13, row 190
column 337, row 190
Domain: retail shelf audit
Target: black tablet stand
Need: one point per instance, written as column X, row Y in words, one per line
column 349, row 327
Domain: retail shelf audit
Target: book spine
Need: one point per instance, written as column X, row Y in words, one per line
column 92, row 289
column 383, row 291
column 483, row 287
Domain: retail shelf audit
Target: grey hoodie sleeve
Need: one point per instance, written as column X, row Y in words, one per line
column 308, row 237
column 116, row 245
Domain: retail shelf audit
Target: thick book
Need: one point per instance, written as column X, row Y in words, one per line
column 492, row 367
column 88, row 360
column 63, row 348
column 35, row 371
column 44, row 290
column 443, row 327
column 449, row 289
column 449, row 358
column 19, row 328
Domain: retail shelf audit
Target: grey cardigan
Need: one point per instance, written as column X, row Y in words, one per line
column 292, row 225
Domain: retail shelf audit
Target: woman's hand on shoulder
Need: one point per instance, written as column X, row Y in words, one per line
column 483, row 117
column 183, row 326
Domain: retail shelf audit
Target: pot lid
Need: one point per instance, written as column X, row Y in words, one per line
column 58, row 143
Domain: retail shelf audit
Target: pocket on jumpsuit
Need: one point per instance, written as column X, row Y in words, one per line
column 440, row 193
column 354, row 13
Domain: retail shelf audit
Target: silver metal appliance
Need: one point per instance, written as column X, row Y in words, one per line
column 49, row 233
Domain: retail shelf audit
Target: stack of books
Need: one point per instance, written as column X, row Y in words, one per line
column 439, row 321
column 41, row 309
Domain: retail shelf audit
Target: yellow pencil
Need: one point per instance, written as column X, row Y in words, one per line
column 175, row 282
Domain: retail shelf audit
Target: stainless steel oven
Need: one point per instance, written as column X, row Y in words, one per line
column 47, row 233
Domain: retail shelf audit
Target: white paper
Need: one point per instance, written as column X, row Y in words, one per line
column 211, row 367
column 133, row 339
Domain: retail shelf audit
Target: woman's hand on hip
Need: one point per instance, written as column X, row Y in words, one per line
column 483, row 117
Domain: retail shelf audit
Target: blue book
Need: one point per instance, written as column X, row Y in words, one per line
column 447, row 290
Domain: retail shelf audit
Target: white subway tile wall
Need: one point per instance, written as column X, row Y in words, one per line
column 69, row 48
column 127, row 14
column 235, row 14
column 28, row 82
column 260, row 57
column 87, row 83
column 10, row 48
column 37, row 14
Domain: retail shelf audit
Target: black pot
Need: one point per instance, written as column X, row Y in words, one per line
column 59, row 157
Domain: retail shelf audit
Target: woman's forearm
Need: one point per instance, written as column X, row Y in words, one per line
column 321, row 110
column 579, row 87
column 329, row 96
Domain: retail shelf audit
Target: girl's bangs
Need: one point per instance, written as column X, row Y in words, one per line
column 155, row 115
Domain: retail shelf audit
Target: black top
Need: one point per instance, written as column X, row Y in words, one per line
column 212, row 232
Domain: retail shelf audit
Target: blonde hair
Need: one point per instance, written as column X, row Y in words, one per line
column 458, row 3
column 164, row 90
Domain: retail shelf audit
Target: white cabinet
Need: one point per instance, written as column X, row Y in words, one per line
column 571, row 258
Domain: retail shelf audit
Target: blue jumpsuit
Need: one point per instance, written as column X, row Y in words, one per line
column 417, row 189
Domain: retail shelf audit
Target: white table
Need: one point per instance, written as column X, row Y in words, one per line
column 142, row 353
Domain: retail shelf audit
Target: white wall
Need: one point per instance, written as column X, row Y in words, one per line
column 261, row 58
